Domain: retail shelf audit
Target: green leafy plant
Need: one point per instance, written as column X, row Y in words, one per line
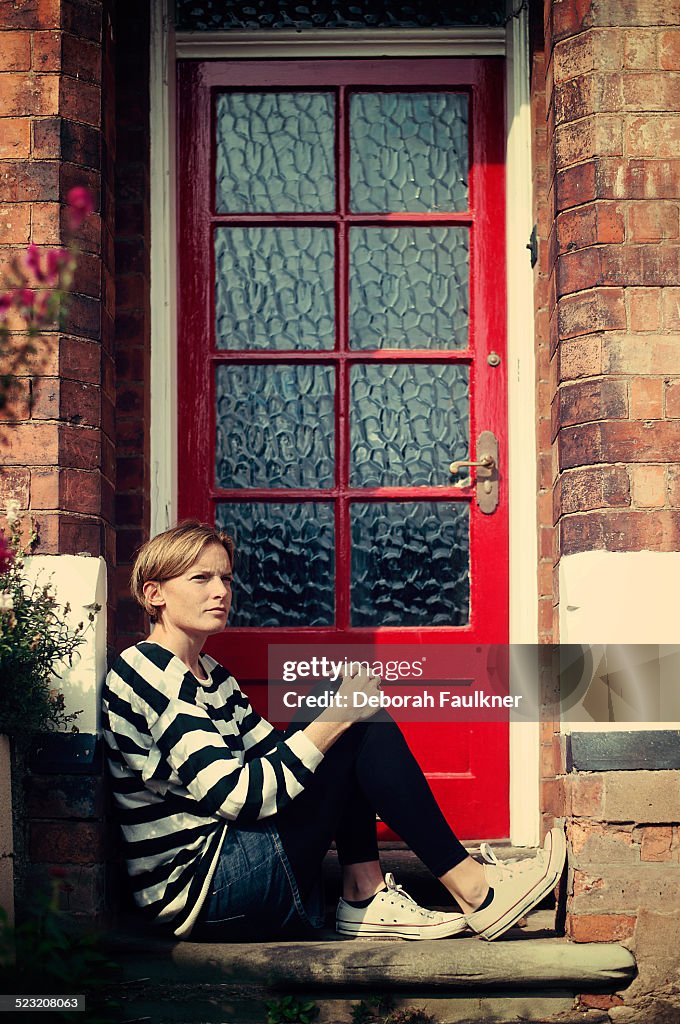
column 34, row 640
column 45, row 954
column 289, row 1010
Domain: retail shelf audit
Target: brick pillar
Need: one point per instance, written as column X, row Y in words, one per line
column 132, row 308
column 614, row 259
column 57, row 444
column 57, row 436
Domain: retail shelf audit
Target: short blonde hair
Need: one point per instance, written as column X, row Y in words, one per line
column 171, row 553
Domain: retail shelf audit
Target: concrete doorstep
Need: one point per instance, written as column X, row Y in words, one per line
column 529, row 975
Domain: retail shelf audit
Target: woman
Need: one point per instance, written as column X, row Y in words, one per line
column 226, row 820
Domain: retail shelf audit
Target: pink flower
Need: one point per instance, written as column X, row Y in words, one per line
column 6, row 554
column 24, row 299
column 32, row 260
column 56, row 260
column 81, row 204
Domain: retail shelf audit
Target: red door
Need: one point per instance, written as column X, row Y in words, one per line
column 342, row 311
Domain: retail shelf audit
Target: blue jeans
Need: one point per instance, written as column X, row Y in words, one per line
column 254, row 894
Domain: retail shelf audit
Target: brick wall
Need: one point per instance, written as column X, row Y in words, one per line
column 612, row 86
column 57, row 435
column 624, row 879
column 132, row 308
column 607, row 302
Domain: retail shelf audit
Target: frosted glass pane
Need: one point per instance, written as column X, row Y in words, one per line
column 225, row 15
column 410, row 564
column 275, row 426
column 284, row 566
column 274, row 288
column 407, row 423
column 275, row 152
column 409, row 287
column 409, row 151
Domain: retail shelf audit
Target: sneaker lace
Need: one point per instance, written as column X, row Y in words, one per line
column 511, row 867
column 393, row 887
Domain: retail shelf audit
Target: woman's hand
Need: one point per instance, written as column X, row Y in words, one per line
column 358, row 693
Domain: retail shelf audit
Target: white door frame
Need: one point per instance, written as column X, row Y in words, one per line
column 166, row 47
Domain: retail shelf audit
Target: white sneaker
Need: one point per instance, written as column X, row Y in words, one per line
column 392, row 912
column 518, row 885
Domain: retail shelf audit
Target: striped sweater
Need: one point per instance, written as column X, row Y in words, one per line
column 187, row 757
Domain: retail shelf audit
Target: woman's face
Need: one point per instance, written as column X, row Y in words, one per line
column 197, row 602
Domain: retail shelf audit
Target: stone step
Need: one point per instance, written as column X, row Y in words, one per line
column 528, row 975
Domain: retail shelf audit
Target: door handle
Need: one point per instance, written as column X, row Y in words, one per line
column 487, row 471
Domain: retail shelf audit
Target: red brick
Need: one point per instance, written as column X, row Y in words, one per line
column 581, row 357
column 15, row 138
column 644, row 312
column 82, row 59
column 47, row 51
column 29, row 444
column 45, row 488
column 642, row 441
column 80, row 447
column 45, row 224
column 569, row 17
column 616, row 530
column 15, row 51
column 15, row 221
column 22, row 181
column 646, row 398
column 80, row 101
column 592, row 400
column 26, row 94
column 72, row 842
column 653, row 136
column 670, row 308
column 656, row 843
column 649, row 486
column 600, row 309
column 673, row 486
column 652, row 221
column 83, row 19
column 46, row 139
column 46, row 398
column 669, row 50
column 591, row 487
column 653, row 90
column 573, row 56
column 672, row 398
column 600, row 927
column 636, row 13
column 30, row 14
column 80, row 403
column 637, row 179
column 79, row 535
column 643, row 354
column 640, row 49
column 552, row 790
column 14, row 485
column 602, row 1002
column 586, row 798
column 575, row 185
column 660, row 265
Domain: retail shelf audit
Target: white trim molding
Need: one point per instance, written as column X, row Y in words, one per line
column 525, row 736
column 264, row 45
column 163, row 427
